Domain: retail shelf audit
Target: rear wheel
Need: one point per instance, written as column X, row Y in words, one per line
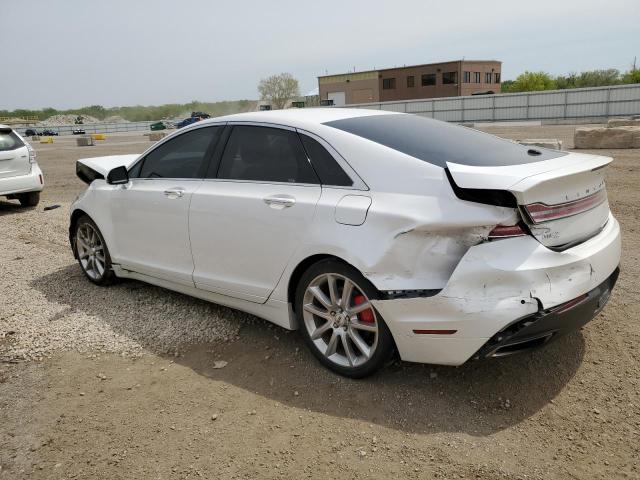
column 29, row 199
column 338, row 321
column 92, row 251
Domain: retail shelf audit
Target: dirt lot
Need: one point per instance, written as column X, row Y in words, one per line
column 122, row 383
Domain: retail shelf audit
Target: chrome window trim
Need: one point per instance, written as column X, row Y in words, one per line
column 358, row 183
column 171, row 136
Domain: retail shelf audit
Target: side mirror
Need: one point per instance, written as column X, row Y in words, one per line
column 118, row 176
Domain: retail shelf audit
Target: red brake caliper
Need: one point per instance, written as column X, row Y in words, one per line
column 367, row 315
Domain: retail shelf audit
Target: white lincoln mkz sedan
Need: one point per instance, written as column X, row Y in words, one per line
column 369, row 231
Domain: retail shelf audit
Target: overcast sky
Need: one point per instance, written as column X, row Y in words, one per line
column 71, row 53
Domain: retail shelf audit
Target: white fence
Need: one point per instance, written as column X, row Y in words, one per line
column 571, row 104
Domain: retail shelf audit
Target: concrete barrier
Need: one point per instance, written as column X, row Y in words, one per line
column 99, row 136
column 624, row 122
column 155, row 136
column 552, row 143
column 46, row 139
column 603, row 137
column 84, row 141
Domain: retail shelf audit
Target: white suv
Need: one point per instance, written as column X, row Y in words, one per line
column 20, row 175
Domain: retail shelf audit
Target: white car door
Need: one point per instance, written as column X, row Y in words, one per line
column 150, row 214
column 247, row 221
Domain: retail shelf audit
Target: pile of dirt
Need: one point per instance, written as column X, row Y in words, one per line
column 56, row 120
column 115, row 119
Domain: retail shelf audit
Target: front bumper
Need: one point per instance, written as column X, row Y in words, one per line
column 31, row 182
column 494, row 285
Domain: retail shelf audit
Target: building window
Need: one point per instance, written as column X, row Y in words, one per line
column 449, row 78
column 411, row 81
column 466, row 77
column 487, row 77
column 496, row 77
column 388, row 83
column 428, row 79
column 476, row 77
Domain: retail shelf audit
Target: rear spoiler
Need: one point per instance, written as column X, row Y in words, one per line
column 500, row 198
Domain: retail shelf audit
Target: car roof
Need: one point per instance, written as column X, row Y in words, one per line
column 5, row 127
column 298, row 117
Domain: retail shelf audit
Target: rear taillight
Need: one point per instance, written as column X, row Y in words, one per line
column 32, row 154
column 541, row 212
column 506, row 231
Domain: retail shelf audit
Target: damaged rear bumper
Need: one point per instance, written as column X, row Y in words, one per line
column 494, row 285
column 546, row 325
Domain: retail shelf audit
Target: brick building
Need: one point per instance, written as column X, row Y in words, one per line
column 432, row 80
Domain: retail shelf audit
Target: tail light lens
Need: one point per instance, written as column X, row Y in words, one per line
column 506, row 231
column 541, row 212
column 32, row 154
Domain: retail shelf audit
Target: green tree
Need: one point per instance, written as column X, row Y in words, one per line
column 598, row 78
column 505, row 86
column 632, row 76
column 533, row 81
column 279, row 89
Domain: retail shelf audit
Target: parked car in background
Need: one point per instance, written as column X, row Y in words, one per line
column 157, row 126
column 187, row 121
column 20, row 175
column 49, row 133
column 30, row 132
column 368, row 231
column 200, row 115
column 78, row 131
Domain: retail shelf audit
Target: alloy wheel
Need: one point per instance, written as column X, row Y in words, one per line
column 340, row 320
column 90, row 251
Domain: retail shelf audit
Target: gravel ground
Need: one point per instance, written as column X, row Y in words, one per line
column 131, row 381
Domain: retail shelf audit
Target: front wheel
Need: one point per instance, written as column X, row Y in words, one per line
column 338, row 321
column 92, row 252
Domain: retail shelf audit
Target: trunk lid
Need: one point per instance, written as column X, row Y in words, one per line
column 563, row 200
column 14, row 154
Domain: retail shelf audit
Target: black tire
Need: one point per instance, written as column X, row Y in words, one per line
column 89, row 268
column 29, row 199
column 383, row 347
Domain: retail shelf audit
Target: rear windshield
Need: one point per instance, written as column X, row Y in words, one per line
column 439, row 142
column 9, row 140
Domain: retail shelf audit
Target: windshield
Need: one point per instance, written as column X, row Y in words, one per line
column 439, row 142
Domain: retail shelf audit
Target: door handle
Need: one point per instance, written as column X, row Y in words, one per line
column 174, row 192
column 280, row 201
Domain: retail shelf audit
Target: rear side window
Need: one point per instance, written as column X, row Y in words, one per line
column 9, row 141
column 324, row 164
column 439, row 142
column 265, row 154
column 180, row 157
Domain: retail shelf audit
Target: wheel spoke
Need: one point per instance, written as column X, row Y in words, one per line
column 99, row 266
column 359, row 343
column 333, row 289
column 82, row 242
column 360, row 308
column 367, row 327
column 100, row 257
column 311, row 308
column 345, row 302
column 322, row 298
column 348, row 350
column 319, row 331
column 332, row 345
